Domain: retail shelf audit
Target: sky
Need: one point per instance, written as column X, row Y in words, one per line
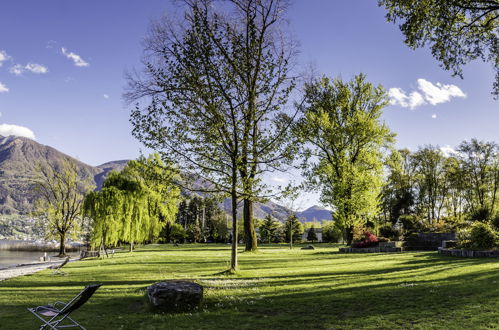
column 63, row 63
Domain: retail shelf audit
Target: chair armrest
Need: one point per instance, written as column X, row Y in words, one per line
column 59, row 302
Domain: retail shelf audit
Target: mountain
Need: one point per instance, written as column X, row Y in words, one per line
column 314, row 213
column 19, row 158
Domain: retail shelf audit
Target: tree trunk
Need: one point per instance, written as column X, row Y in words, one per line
column 131, row 246
column 233, row 259
column 249, row 226
column 62, row 246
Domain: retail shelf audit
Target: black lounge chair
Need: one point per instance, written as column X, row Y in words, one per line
column 52, row 316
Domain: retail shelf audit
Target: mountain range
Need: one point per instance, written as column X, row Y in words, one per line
column 20, row 156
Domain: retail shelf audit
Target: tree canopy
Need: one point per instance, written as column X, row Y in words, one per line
column 344, row 141
column 457, row 31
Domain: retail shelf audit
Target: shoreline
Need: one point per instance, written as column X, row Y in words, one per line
column 28, row 269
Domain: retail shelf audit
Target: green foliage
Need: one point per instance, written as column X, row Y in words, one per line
column 457, row 31
column 269, row 229
column 292, row 228
column 343, row 140
column 173, row 232
column 482, row 236
column 410, row 223
column 389, row 231
column 61, row 190
column 495, row 221
column 134, row 205
column 331, row 232
column 311, row 235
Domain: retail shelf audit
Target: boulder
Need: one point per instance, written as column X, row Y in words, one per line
column 171, row 296
column 308, row 247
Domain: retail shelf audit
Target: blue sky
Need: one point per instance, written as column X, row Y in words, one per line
column 71, row 99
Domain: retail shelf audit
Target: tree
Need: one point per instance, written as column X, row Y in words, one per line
column 104, row 207
column 217, row 89
column 331, row 233
column 311, row 235
column 398, row 193
column 480, row 165
column 134, row 205
column 343, row 146
column 458, row 31
column 293, row 230
column 61, row 191
column 268, row 229
column 431, row 180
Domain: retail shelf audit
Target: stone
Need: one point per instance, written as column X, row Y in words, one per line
column 308, row 247
column 175, row 295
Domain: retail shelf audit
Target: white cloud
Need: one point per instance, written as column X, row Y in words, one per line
column 105, row 96
column 17, row 69
column 399, row 97
column 77, row 60
column 428, row 93
column 448, row 151
column 7, row 129
column 3, row 57
column 439, row 93
column 434, row 116
column 36, row 68
column 3, row 88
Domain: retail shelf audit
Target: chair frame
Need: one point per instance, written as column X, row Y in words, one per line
column 62, row 314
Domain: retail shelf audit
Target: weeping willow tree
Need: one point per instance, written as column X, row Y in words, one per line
column 102, row 206
column 134, row 204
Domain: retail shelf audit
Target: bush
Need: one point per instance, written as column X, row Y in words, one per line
column 482, row 214
column 495, row 222
column 479, row 236
column 410, row 223
column 369, row 240
column 389, row 231
column 331, row 233
column 482, row 236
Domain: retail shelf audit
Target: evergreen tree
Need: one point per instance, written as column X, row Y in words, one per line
column 268, row 229
column 311, row 235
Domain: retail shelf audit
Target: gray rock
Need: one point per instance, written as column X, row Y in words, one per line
column 308, row 247
column 172, row 296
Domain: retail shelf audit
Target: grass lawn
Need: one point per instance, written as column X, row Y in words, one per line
column 276, row 288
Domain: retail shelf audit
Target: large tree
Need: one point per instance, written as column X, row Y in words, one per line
column 344, row 141
column 134, row 205
column 216, row 86
column 61, row 188
column 480, row 168
column 457, row 31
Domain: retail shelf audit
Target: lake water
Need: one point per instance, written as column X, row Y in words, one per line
column 11, row 258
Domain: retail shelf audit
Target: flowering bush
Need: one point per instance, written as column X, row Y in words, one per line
column 369, row 240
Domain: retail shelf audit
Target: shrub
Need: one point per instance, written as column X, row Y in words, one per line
column 389, row 231
column 464, row 238
column 410, row 223
column 369, row 240
column 482, row 236
column 383, row 239
column 331, row 233
column 495, row 222
column 482, row 214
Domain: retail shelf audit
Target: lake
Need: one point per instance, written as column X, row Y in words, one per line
column 10, row 258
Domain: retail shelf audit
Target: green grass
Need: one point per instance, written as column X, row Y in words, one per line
column 276, row 288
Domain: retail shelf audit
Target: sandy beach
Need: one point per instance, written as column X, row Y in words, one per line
column 27, row 269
